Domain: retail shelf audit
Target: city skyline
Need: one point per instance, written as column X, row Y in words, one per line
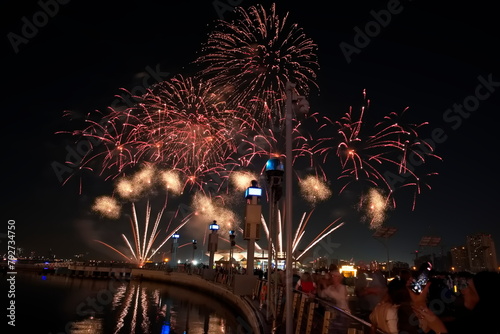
column 418, row 58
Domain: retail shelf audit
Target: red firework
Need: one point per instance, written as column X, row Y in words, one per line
column 380, row 157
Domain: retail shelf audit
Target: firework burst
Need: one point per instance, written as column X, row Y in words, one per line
column 255, row 55
column 107, row 206
column 207, row 208
column 374, row 206
column 242, row 179
column 179, row 124
column 314, row 189
column 378, row 158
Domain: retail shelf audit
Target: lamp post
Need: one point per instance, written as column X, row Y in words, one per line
column 213, row 240
column 253, row 213
column 175, row 238
column 384, row 233
column 232, row 236
column 301, row 105
column 288, row 205
column 430, row 241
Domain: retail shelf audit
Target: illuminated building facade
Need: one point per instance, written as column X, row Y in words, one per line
column 459, row 259
column 481, row 252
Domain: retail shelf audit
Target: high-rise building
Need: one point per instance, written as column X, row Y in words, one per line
column 481, row 252
column 459, row 259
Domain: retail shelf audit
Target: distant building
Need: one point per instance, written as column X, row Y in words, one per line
column 481, row 252
column 460, row 259
column 398, row 266
column 321, row 262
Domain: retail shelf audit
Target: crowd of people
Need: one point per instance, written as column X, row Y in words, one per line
column 466, row 303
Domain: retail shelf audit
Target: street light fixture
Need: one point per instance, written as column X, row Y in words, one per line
column 213, row 227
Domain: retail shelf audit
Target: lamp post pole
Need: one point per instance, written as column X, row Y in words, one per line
column 192, row 259
column 274, row 172
column 288, row 207
column 269, row 309
column 232, row 244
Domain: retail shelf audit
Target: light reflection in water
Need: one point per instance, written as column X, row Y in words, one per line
column 147, row 307
column 91, row 325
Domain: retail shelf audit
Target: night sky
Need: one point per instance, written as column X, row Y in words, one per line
column 427, row 56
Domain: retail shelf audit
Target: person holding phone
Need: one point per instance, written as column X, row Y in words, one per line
column 478, row 314
column 428, row 321
column 481, row 305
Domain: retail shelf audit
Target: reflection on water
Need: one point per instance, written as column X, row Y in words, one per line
column 91, row 306
column 90, row 325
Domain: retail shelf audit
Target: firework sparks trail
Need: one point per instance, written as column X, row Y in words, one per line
column 144, row 240
column 184, row 222
column 301, row 229
column 280, row 232
column 298, row 231
column 320, row 238
column 186, row 244
column 264, row 225
column 116, row 250
column 296, row 242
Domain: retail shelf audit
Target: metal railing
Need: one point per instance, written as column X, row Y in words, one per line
column 313, row 315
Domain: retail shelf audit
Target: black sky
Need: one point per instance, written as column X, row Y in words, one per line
column 428, row 57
